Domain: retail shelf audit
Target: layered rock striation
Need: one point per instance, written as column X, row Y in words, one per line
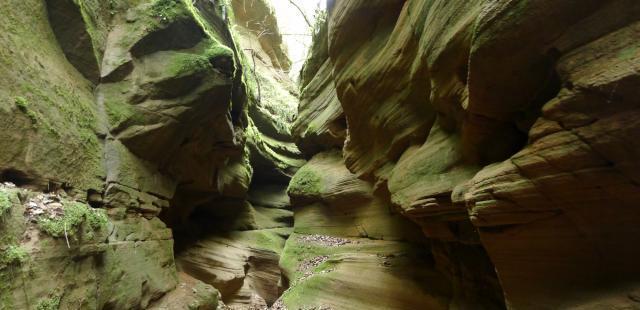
column 504, row 129
column 436, row 154
column 151, row 114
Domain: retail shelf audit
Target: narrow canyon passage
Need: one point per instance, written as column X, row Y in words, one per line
column 319, row 154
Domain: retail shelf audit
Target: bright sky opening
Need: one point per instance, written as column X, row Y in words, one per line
column 295, row 31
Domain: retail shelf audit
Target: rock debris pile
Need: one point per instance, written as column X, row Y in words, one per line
column 44, row 205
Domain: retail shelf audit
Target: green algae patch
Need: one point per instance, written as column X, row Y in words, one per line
column 297, row 251
column 75, row 215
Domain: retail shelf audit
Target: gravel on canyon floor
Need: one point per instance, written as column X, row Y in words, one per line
column 324, row 240
column 312, row 262
column 278, row 305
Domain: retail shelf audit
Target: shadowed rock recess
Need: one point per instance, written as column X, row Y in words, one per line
column 435, row 154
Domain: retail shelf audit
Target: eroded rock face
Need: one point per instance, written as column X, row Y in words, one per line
column 145, row 110
column 190, row 293
column 168, row 94
column 331, row 277
column 48, row 116
column 320, row 124
column 345, row 236
column 237, row 248
column 328, row 199
column 233, row 240
column 52, row 137
column 579, row 158
column 246, row 273
column 272, row 95
column 80, row 259
column 504, row 129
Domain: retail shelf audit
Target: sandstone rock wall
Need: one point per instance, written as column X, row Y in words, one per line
column 503, row 128
column 155, row 112
column 349, row 251
column 461, row 154
column 234, row 242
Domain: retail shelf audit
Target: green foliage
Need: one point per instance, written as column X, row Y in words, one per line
column 320, row 18
column 51, row 303
column 113, row 7
column 5, row 203
column 70, row 120
column 282, row 106
column 23, row 106
column 6, row 296
column 84, row 118
column 167, row 10
column 13, row 255
column 75, row 214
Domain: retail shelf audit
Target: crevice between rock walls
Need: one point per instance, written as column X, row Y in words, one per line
column 443, row 154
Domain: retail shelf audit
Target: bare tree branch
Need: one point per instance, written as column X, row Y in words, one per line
column 301, row 12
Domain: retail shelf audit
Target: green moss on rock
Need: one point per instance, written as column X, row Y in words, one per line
column 218, row 50
column 75, row 214
column 168, row 10
column 118, row 112
column 12, row 255
column 305, row 182
column 187, row 63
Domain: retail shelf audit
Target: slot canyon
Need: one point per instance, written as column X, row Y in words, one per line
column 424, row 154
